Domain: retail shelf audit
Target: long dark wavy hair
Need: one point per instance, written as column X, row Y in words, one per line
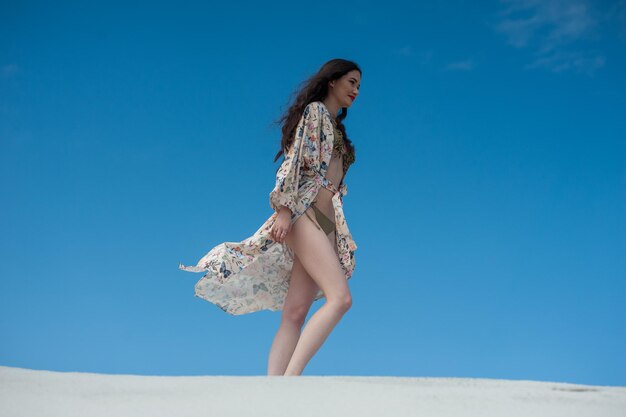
column 315, row 88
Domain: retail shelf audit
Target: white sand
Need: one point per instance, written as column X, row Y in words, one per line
column 26, row 392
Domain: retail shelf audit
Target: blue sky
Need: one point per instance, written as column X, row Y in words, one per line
column 487, row 200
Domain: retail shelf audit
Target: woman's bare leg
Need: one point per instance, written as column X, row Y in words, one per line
column 319, row 259
column 302, row 290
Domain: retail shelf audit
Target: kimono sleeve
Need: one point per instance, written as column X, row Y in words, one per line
column 303, row 153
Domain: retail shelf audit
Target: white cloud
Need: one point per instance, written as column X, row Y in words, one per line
column 562, row 61
column 404, row 51
column 554, row 30
column 617, row 14
column 8, row 70
column 465, row 65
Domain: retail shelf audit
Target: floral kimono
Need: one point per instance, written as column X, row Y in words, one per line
column 254, row 274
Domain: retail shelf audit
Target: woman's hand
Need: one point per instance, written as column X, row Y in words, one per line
column 282, row 225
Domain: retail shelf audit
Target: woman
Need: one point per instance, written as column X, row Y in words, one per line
column 293, row 260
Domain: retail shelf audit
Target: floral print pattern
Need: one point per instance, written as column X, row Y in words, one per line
column 254, row 274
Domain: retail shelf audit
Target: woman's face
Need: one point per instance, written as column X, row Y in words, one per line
column 346, row 88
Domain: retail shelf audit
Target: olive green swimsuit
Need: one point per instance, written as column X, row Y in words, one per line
column 327, row 224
